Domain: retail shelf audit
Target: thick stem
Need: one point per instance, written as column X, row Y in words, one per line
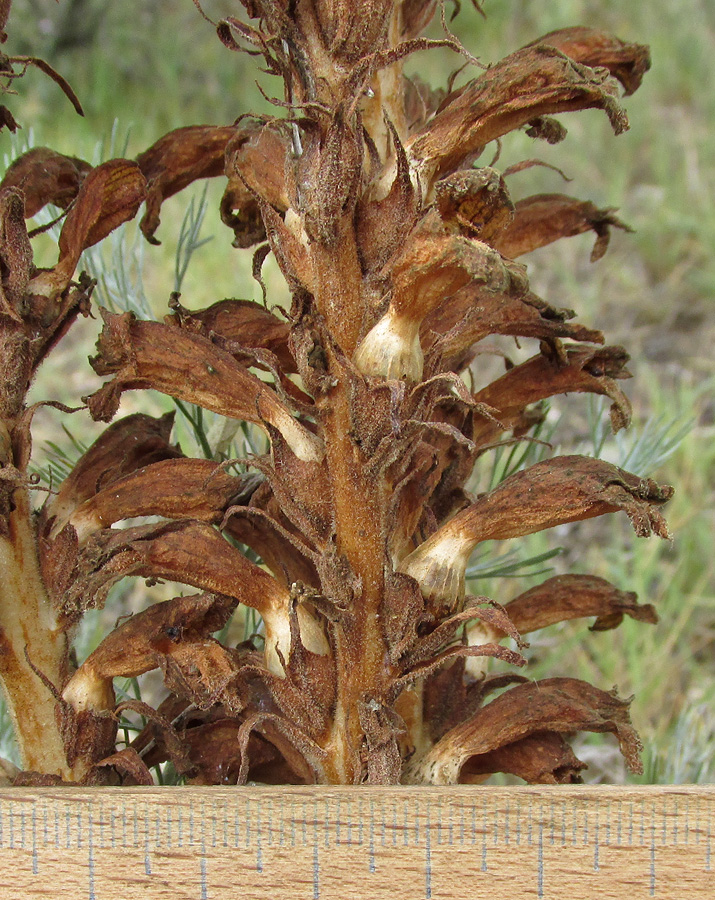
column 29, row 629
column 359, row 504
column 338, row 286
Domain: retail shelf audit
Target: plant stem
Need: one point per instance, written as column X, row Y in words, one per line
column 359, row 504
column 29, row 629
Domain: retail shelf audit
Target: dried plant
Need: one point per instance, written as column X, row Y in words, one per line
column 398, row 250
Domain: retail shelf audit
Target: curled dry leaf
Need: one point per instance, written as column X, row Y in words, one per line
column 45, row 176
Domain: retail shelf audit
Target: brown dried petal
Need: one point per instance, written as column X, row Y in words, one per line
column 256, row 158
column 474, row 313
column 560, row 490
column 416, row 16
column 139, row 643
column 177, row 160
column 45, row 176
column 544, row 218
column 558, row 705
column 191, row 368
column 173, row 488
column 541, row 758
column 475, row 202
column 591, row 47
column 550, row 493
column 246, row 323
column 127, row 761
column 588, row 369
column 433, row 267
column 126, row 445
column 187, row 552
column 109, row 196
column 573, row 597
column 534, row 81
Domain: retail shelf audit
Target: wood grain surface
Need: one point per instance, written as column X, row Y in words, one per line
column 349, row 843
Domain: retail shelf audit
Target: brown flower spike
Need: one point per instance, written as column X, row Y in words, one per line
column 350, row 536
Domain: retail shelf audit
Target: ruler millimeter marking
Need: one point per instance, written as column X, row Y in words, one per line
column 315, row 843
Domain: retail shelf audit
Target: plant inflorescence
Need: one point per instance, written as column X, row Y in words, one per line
column 348, row 524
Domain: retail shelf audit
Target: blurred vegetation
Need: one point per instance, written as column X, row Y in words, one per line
column 142, row 68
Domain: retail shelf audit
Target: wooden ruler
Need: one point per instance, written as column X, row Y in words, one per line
column 466, row 843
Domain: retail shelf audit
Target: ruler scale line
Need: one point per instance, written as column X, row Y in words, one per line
column 316, row 873
column 428, row 857
column 90, row 861
column 371, row 864
column 708, row 851
column 34, row 840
